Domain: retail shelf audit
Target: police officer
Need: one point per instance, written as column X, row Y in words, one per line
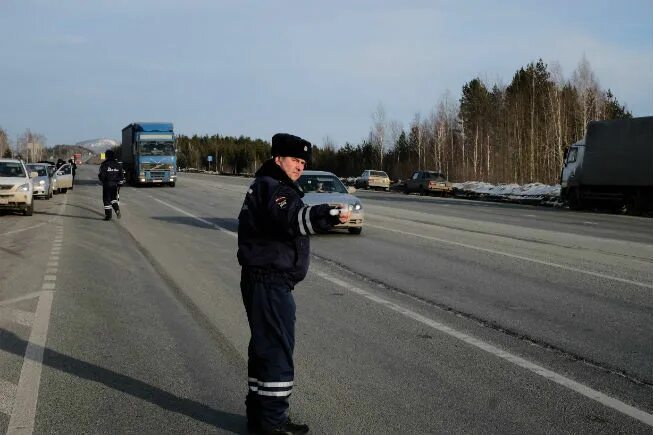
column 273, row 250
column 73, row 167
column 111, row 176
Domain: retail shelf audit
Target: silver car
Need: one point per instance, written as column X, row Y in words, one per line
column 16, row 186
column 322, row 187
column 43, row 183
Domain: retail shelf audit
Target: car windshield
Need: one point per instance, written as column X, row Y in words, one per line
column 11, row 169
column 321, row 184
column 157, row 148
column 40, row 169
column 378, row 174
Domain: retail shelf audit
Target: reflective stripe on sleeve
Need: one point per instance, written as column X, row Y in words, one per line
column 300, row 221
column 307, row 219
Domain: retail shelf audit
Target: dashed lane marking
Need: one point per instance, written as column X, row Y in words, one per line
column 204, row 221
column 22, row 229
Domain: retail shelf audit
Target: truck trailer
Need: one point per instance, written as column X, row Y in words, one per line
column 611, row 167
column 148, row 153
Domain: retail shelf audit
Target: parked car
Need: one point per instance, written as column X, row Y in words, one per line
column 324, row 187
column 43, row 184
column 64, row 178
column 428, row 183
column 16, row 189
column 371, row 179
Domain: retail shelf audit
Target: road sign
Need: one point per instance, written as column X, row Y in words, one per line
column 210, row 158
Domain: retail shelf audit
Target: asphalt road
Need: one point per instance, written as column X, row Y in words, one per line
column 444, row 316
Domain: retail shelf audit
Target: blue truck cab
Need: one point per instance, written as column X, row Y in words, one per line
column 148, row 153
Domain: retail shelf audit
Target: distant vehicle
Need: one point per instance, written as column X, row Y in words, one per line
column 611, row 166
column 148, row 153
column 16, row 189
column 371, row 179
column 64, row 178
column 43, row 184
column 324, row 187
column 428, row 183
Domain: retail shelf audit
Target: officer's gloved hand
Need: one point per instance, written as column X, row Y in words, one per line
column 321, row 217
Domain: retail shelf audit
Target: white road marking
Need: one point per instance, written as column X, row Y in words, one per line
column 529, row 215
column 519, row 257
column 590, row 223
column 7, row 395
column 53, row 263
column 23, row 229
column 50, row 277
column 48, row 286
column 204, row 221
column 521, row 362
column 24, row 318
column 514, row 359
column 27, row 391
column 32, row 295
column 51, row 270
column 54, row 257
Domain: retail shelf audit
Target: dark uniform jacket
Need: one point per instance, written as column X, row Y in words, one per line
column 274, row 224
column 110, row 173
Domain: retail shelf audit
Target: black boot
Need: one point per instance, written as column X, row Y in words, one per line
column 287, row 428
column 107, row 215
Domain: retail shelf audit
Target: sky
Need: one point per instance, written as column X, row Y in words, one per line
column 74, row 70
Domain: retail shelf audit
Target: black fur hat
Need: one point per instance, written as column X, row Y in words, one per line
column 287, row 145
column 109, row 155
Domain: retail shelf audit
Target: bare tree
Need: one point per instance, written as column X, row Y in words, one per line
column 5, row 149
column 588, row 90
column 379, row 132
column 30, row 145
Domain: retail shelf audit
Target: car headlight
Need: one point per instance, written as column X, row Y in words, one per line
column 42, row 182
column 358, row 206
column 24, row 187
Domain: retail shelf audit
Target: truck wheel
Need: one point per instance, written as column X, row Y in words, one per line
column 29, row 209
column 356, row 230
column 635, row 204
column 574, row 199
column 172, row 184
column 406, row 191
column 422, row 192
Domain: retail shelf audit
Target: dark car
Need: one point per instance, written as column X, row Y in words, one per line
column 428, row 183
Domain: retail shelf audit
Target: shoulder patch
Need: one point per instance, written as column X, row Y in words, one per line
column 281, row 201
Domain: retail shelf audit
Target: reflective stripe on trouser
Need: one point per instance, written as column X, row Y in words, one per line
column 271, row 315
column 109, row 198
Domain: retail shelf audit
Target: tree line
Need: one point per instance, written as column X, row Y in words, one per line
column 514, row 133
column 498, row 133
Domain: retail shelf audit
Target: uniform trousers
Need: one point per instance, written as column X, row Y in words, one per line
column 270, row 310
column 110, row 198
